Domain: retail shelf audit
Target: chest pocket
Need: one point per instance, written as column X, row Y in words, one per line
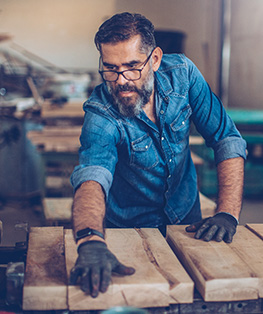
column 180, row 126
column 143, row 153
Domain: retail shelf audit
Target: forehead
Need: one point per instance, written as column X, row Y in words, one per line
column 123, row 52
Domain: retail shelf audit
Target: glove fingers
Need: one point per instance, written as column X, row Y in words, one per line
column 85, row 282
column 95, row 281
column 105, row 278
column 228, row 237
column 220, row 234
column 74, row 274
column 195, row 226
column 201, row 231
column 210, row 233
column 123, row 270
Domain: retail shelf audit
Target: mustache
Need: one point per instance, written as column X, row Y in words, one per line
column 125, row 88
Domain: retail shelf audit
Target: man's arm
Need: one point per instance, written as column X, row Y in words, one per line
column 222, row 226
column 95, row 262
column 89, row 209
column 230, row 174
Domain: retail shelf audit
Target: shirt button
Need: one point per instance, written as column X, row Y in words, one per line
column 146, row 146
column 169, row 176
column 161, row 112
column 162, row 138
column 170, row 160
column 183, row 122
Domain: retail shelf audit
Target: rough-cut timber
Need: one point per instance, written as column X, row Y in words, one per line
column 219, row 273
column 158, row 281
column 45, row 286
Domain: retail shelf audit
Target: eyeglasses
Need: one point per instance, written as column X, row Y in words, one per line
column 129, row 75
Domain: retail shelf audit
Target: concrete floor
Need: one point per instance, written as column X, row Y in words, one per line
column 15, row 215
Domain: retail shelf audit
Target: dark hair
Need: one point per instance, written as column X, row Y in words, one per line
column 123, row 26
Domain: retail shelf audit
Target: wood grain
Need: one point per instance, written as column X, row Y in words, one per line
column 45, row 286
column 249, row 247
column 218, row 272
column 257, row 229
column 159, row 278
column 159, row 253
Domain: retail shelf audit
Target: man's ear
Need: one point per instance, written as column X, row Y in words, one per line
column 156, row 58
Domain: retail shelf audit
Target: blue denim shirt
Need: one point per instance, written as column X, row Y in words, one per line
column 146, row 169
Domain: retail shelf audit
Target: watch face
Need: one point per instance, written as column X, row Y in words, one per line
column 87, row 232
column 84, row 232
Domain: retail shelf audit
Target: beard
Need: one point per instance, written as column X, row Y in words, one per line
column 132, row 106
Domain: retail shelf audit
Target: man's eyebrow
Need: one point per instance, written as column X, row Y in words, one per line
column 108, row 64
column 131, row 63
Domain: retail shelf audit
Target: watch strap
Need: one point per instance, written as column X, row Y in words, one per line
column 88, row 232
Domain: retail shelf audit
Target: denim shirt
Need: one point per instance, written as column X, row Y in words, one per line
column 146, row 169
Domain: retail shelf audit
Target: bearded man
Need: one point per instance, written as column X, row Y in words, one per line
column 135, row 166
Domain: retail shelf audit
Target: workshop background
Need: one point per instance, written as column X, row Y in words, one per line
column 48, row 67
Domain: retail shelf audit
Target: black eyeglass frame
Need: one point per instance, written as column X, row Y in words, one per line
column 131, row 70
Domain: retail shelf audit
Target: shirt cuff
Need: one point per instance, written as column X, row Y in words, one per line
column 99, row 174
column 230, row 147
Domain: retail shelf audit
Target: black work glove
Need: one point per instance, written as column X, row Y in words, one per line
column 221, row 226
column 94, row 266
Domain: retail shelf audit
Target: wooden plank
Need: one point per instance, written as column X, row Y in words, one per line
column 45, row 286
column 148, row 287
column 69, row 109
column 208, row 206
column 57, row 209
column 218, row 272
column 160, row 254
column 257, row 229
column 249, row 247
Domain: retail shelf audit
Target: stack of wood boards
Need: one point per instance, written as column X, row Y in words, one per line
column 159, row 279
column 56, row 139
column 70, row 113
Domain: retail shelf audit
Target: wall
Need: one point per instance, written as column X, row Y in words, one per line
column 246, row 62
column 199, row 19
column 62, row 31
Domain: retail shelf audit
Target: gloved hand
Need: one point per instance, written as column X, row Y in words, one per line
column 221, row 226
column 94, row 265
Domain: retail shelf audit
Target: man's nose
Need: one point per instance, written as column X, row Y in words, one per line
column 121, row 79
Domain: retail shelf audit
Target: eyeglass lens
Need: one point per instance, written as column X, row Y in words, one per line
column 130, row 75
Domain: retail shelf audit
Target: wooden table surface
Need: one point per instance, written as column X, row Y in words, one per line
column 221, row 272
column 159, row 279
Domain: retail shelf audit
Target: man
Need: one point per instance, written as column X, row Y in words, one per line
column 135, row 164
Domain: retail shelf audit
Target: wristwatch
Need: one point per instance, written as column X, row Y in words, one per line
column 87, row 232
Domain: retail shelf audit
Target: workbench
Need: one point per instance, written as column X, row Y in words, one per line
column 186, row 276
column 66, row 114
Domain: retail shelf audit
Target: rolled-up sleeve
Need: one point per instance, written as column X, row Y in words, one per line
column 211, row 119
column 98, row 152
column 230, row 147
